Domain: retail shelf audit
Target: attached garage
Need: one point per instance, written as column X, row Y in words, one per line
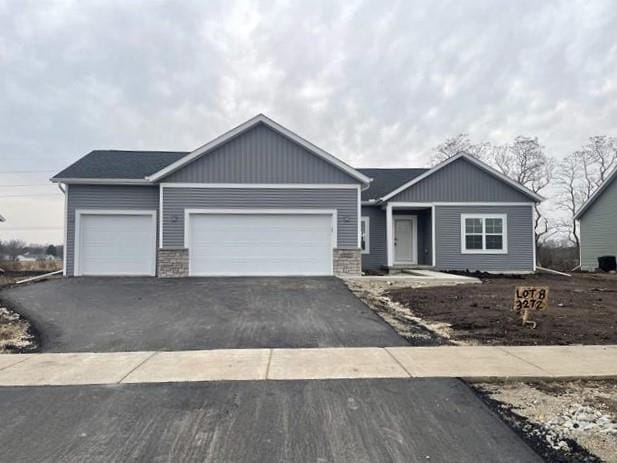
column 260, row 242
column 115, row 242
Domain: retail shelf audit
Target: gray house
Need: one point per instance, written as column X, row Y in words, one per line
column 598, row 224
column 260, row 200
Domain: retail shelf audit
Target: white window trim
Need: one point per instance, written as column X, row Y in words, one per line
column 367, row 235
column 504, row 234
column 76, row 244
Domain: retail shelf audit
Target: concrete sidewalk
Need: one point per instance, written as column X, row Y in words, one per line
column 482, row 362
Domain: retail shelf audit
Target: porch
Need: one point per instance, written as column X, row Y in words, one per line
column 410, row 236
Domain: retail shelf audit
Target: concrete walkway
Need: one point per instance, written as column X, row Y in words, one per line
column 482, row 362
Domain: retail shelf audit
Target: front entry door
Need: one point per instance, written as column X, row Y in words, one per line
column 404, row 240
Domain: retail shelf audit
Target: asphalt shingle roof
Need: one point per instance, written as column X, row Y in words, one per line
column 115, row 164
column 387, row 180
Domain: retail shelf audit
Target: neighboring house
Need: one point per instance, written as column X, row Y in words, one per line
column 260, row 200
column 598, row 224
column 28, row 257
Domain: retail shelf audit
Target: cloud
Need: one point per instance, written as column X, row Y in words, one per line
column 376, row 83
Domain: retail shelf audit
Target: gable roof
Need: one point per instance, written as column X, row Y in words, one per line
column 596, row 194
column 259, row 119
column 115, row 165
column 485, row 167
column 386, row 180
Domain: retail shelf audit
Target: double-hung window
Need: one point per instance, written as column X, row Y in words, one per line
column 484, row 234
column 365, row 239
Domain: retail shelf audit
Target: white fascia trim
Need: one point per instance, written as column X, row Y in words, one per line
column 102, row 181
column 160, row 216
column 433, row 237
column 474, row 161
column 467, row 204
column 504, row 234
column 389, row 235
column 596, row 194
column 260, row 118
column 214, row 211
column 76, row 244
column 367, row 235
column 263, row 185
column 66, row 231
column 359, row 215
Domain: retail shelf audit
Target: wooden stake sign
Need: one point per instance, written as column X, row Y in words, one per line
column 529, row 298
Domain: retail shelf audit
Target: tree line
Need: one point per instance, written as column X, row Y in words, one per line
column 10, row 249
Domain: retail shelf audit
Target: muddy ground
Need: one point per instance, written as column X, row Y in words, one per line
column 582, row 310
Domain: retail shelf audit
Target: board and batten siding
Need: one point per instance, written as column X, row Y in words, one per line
column 260, row 155
column 105, row 197
column 176, row 200
column 598, row 228
column 460, row 181
column 520, row 255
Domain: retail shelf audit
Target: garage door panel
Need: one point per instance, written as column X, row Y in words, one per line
column 266, row 244
column 116, row 244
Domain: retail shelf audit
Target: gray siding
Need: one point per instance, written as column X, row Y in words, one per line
column 460, row 181
column 520, row 240
column 344, row 200
column 377, row 257
column 425, row 251
column 105, row 197
column 260, row 155
column 599, row 228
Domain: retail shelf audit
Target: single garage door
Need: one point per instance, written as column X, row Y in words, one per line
column 116, row 244
column 260, row 244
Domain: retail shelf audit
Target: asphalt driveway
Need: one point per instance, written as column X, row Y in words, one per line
column 133, row 314
column 359, row 421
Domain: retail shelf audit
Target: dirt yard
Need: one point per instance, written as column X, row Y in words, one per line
column 582, row 310
column 570, row 421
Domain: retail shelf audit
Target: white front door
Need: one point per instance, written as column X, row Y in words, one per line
column 405, row 240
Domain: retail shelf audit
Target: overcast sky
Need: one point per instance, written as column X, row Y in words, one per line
column 376, row 83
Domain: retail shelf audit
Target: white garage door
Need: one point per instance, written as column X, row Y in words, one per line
column 115, row 244
column 260, row 244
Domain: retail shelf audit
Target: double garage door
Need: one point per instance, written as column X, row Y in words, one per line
column 259, row 243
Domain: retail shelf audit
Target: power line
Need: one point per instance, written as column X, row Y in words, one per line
column 33, row 194
column 26, row 171
column 29, row 184
column 30, row 228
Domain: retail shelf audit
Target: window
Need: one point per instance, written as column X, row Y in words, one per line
column 365, row 241
column 484, row 234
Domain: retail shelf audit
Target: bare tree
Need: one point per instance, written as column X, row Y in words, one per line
column 525, row 161
column 13, row 248
column 573, row 191
column 580, row 174
column 457, row 144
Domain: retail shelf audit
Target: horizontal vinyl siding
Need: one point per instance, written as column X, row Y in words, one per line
column 260, row 155
column 599, row 229
column 520, row 240
column 377, row 236
column 105, row 197
column 460, row 181
column 176, row 200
